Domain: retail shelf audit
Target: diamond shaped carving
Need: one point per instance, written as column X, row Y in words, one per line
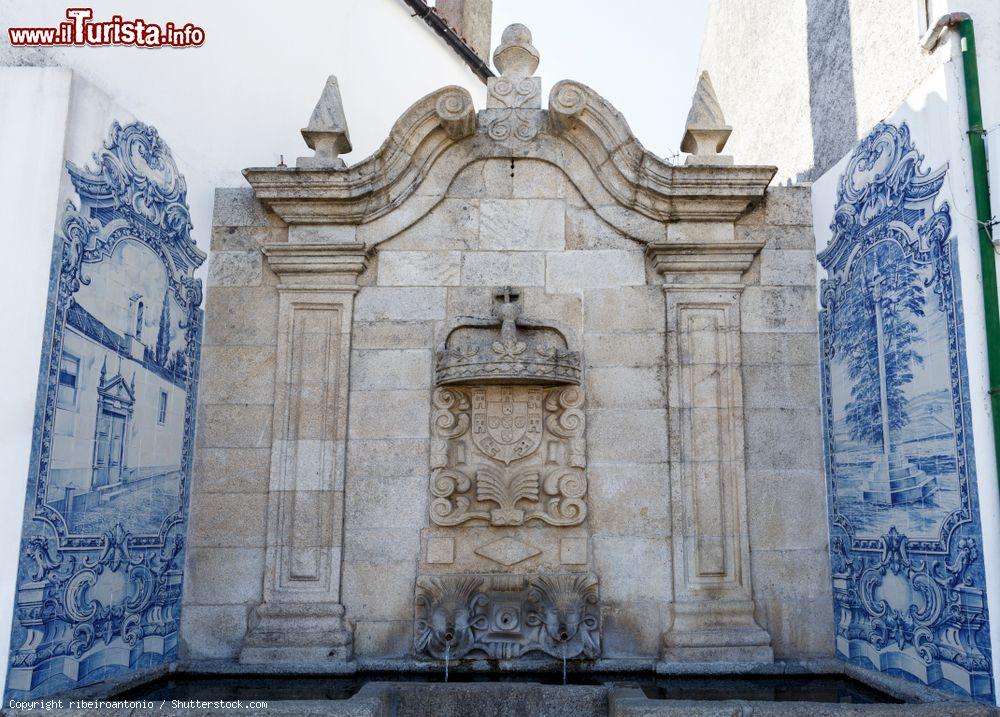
column 507, row 551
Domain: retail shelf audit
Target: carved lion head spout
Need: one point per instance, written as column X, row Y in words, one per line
column 448, row 610
column 565, row 607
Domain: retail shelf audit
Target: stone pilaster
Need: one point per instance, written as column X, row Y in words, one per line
column 302, row 618
column 702, row 268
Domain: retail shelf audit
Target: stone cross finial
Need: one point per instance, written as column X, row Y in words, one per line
column 507, row 308
column 706, row 131
column 327, row 131
column 516, row 57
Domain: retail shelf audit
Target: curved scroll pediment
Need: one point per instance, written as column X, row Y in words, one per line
column 441, row 134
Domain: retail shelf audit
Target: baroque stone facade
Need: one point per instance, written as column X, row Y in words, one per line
column 513, row 387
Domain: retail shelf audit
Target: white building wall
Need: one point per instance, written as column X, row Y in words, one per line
column 35, row 103
column 238, row 100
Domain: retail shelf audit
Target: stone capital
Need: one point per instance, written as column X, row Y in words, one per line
column 715, row 264
column 317, row 266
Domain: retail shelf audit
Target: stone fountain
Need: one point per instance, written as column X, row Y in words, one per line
column 508, row 484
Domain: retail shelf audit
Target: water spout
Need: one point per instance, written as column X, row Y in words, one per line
column 564, row 663
column 447, row 657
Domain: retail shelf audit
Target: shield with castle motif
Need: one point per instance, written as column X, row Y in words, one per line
column 507, row 422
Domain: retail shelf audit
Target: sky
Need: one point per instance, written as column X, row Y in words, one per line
column 240, row 100
column 261, row 70
column 640, row 55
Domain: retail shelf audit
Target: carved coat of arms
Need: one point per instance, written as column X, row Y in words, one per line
column 508, row 455
column 504, row 426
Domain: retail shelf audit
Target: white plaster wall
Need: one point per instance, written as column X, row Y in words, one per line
column 35, row 102
column 240, row 99
column 986, row 19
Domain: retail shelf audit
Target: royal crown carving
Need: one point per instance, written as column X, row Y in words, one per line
column 480, row 353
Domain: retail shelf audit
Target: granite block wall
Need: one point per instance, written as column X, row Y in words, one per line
column 523, row 223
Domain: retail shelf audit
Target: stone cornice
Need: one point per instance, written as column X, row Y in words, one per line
column 317, row 265
column 378, row 184
column 442, row 123
column 639, row 179
column 707, row 264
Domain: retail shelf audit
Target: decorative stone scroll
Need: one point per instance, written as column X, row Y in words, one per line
column 456, row 113
column 508, row 455
column 507, row 616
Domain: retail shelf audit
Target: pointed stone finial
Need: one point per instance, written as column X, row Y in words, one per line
column 516, row 57
column 327, row 131
column 706, row 131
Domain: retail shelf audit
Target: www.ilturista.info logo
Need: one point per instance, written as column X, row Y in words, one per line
column 81, row 30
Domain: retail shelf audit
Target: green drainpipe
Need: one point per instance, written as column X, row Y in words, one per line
column 984, row 214
column 984, row 218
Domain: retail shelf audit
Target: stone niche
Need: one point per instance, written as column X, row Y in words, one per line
column 505, row 570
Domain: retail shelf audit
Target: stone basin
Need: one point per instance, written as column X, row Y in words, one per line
column 820, row 687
